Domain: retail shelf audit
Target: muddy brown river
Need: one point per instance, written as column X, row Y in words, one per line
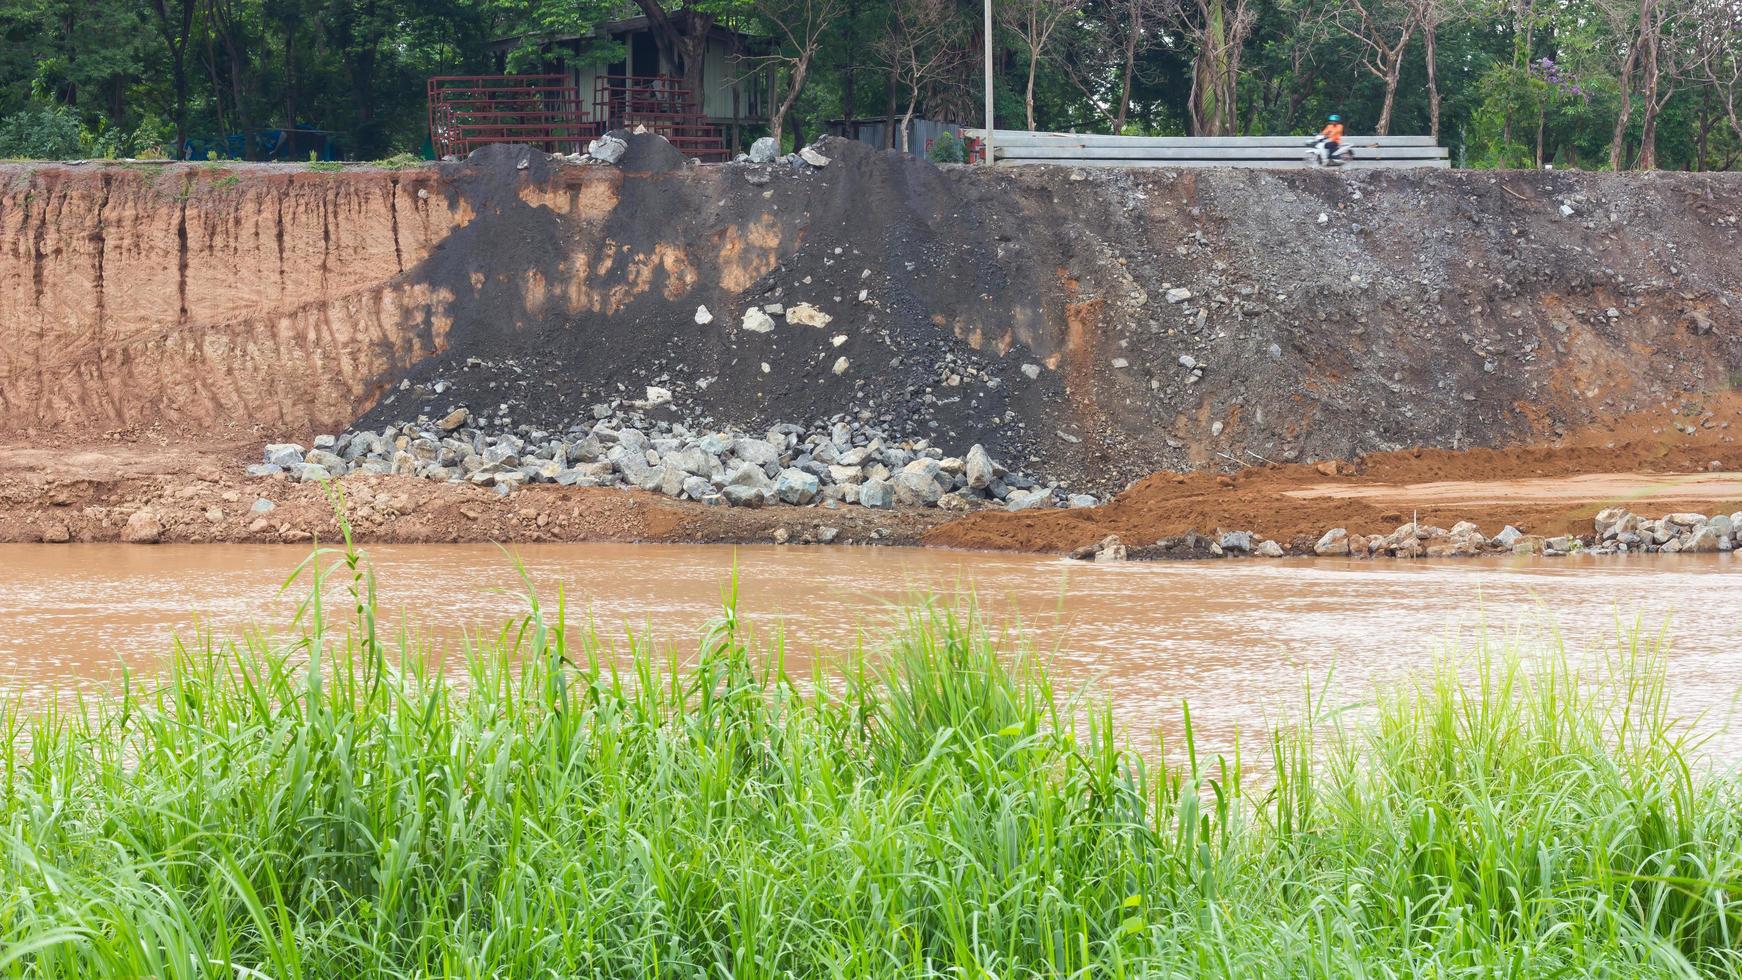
column 1236, row 639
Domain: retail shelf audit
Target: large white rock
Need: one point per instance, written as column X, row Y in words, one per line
column 764, row 150
column 980, row 469
column 795, row 486
column 1333, row 542
column 804, row 314
column 1028, row 499
column 607, row 149
column 285, row 454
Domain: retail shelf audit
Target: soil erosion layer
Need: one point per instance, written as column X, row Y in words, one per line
column 1086, row 326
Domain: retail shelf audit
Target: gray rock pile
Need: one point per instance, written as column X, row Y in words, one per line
column 833, row 463
column 1183, row 547
column 1616, row 531
column 1417, row 540
column 766, row 151
column 1619, row 530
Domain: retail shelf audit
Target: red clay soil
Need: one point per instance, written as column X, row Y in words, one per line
column 1652, row 464
column 198, row 494
column 90, row 491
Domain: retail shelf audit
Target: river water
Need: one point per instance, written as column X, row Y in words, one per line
column 1237, row 639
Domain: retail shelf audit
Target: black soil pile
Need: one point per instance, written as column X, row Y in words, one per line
column 649, row 154
column 1092, row 326
column 879, row 243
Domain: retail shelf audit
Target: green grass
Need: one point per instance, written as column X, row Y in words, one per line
column 306, row 807
column 400, row 161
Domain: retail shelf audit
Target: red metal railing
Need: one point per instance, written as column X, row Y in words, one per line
column 659, row 104
column 625, row 100
column 469, row 111
column 546, row 111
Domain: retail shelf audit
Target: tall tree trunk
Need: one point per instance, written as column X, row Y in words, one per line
column 907, row 119
column 289, row 76
column 665, row 34
column 1623, row 81
column 682, row 53
column 1706, row 121
column 1541, row 132
column 849, row 102
column 794, row 86
column 1393, row 74
column 224, row 25
column 1649, row 37
column 176, row 25
column 1430, row 38
column 889, row 113
column 1130, row 69
column 1213, row 108
column 1028, row 98
column 214, row 76
column 694, row 51
column 737, row 99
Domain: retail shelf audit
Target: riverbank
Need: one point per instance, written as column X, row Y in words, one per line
column 1679, row 459
column 940, row 810
column 179, row 493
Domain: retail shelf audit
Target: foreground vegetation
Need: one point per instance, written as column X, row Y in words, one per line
column 305, row 807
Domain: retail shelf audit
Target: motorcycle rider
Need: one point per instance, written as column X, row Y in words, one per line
column 1333, row 137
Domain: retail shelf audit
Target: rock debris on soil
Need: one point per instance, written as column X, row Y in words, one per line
column 1189, row 326
column 841, row 461
column 1527, row 499
column 857, row 316
column 1615, row 531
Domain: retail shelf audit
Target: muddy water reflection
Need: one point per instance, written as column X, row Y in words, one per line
column 1237, row 639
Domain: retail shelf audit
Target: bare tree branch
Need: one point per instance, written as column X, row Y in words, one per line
column 921, row 47
column 799, row 26
column 1036, row 22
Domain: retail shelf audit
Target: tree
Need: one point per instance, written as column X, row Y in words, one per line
column 174, row 20
column 1036, row 23
column 1217, row 31
column 1431, row 16
column 1382, row 29
column 922, row 45
column 799, row 26
column 1715, row 57
column 1119, row 32
column 681, row 34
column 533, row 24
column 227, row 62
column 83, row 54
column 1633, row 23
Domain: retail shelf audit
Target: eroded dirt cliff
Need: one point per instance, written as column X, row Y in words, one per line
column 1044, row 312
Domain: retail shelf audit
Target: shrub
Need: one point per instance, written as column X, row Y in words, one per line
column 948, row 148
column 41, row 133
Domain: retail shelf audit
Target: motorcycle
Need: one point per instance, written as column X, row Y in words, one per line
column 1318, row 155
